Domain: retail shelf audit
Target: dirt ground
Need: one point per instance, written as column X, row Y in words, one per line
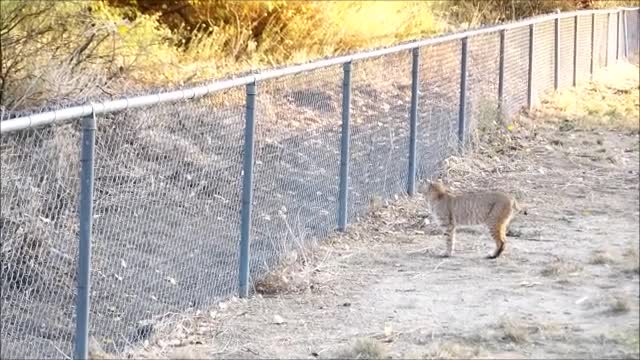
column 566, row 286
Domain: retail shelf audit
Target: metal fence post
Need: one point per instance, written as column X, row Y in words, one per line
column 413, row 120
column 247, row 190
column 625, row 36
column 592, row 66
column 606, row 57
column 556, row 56
column 618, row 36
column 84, row 247
column 575, row 51
column 530, row 73
column 343, row 193
column 463, row 91
column 501, row 75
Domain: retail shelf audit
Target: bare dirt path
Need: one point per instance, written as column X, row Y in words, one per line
column 566, row 286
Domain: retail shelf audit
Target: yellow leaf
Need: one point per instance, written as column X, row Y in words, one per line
column 122, row 29
column 270, row 6
column 510, row 127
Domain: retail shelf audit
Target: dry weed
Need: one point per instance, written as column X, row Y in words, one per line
column 632, row 260
column 284, row 279
column 560, row 268
column 518, row 331
column 619, row 305
column 610, row 101
column 96, row 352
column 297, row 272
column 453, row 350
column 600, row 257
column 514, row 332
column 363, row 349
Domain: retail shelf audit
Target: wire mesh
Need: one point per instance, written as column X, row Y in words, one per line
column 612, row 38
column 566, row 43
column 543, row 59
column 166, row 213
column 600, row 42
column 39, row 227
column 438, row 106
column 297, row 157
column 584, row 49
column 516, row 70
column 168, row 180
column 380, row 104
column 633, row 34
column 483, row 68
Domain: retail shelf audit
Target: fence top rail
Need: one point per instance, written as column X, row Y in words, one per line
column 71, row 113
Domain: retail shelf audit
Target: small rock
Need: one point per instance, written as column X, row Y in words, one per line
column 174, row 342
column 278, row 320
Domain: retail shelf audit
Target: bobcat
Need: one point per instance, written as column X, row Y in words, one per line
column 493, row 209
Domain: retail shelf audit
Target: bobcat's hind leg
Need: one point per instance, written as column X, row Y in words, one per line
column 499, row 234
column 451, row 240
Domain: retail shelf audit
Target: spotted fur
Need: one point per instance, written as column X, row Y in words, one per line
column 493, row 209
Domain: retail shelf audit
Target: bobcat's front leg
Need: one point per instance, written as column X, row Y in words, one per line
column 451, row 239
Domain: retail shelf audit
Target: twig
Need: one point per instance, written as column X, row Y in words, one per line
column 537, row 240
column 59, row 351
column 437, row 266
column 418, row 251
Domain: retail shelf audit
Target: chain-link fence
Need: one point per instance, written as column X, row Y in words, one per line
column 172, row 222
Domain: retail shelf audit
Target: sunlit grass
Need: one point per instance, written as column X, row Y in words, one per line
column 612, row 100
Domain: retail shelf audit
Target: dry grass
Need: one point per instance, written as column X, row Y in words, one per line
column 287, row 277
column 560, row 268
column 619, row 304
column 601, row 257
column 453, row 350
column 299, row 271
column 610, row 101
column 112, row 47
column 473, row 13
column 629, row 262
column 520, row 331
column 514, row 330
column 363, row 349
column 129, row 47
column 632, row 259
